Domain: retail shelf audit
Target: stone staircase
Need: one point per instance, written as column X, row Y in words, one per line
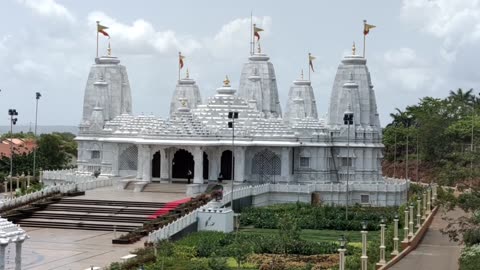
column 98, row 215
column 165, row 188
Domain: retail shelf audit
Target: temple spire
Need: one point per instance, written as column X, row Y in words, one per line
column 353, row 48
column 109, row 49
column 226, row 82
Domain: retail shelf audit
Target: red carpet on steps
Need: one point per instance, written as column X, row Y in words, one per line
column 168, row 207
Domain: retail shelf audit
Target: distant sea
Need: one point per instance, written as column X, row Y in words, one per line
column 40, row 129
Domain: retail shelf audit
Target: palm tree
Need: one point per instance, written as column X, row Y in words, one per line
column 460, row 96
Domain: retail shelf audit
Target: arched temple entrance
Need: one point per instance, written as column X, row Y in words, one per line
column 156, row 165
column 226, row 165
column 182, row 162
column 266, row 165
column 205, row 165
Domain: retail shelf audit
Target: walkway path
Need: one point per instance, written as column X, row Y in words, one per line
column 435, row 251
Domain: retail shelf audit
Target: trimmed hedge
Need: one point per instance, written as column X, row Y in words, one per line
column 317, row 217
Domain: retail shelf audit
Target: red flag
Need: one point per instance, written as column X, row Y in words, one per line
column 367, row 27
column 180, row 60
column 256, row 31
column 101, row 29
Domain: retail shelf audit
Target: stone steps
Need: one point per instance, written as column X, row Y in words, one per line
column 87, row 214
column 165, row 188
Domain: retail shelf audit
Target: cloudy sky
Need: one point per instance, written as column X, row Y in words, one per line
column 419, row 48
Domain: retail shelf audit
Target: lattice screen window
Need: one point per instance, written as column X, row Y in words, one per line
column 267, row 165
column 95, row 154
column 365, row 198
column 128, row 159
column 347, row 162
column 305, row 162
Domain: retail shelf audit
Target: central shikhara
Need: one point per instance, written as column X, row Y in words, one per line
column 195, row 141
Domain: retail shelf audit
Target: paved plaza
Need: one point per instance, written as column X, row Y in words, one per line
column 80, row 249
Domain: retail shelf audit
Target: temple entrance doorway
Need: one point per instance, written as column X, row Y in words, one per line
column 156, row 165
column 226, row 165
column 205, row 165
column 182, row 163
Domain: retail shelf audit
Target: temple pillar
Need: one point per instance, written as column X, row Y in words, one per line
column 164, row 164
column 147, row 163
column 198, row 168
column 18, row 255
column 3, row 247
column 140, row 161
column 285, row 165
column 239, row 164
column 214, row 163
column 115, row 155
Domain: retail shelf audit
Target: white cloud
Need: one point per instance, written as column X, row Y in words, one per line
column 456, row 23
column 30, row 68
column 234, row 36
column 405, row 69
column 48, row 8
column 141, row 37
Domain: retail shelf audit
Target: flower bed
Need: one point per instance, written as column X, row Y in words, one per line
column 294, row 262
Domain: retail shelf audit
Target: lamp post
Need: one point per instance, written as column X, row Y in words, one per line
column 424, row 205
column 13, row 120
column 395, row 151
column 410, row 223
column 405, row 226
column 395, row 236
column 364, row 257
column 342, row 241
column 419, row 211
column 231, row 124
column 37, row 97
column 348, row 120
column 429, row 204
column 382, row 243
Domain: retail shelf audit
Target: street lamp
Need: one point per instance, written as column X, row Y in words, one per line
column 364, row 257
column 382, row 242
column 405, row 226
column 348, row 120
column 419, row 211
column 424, row 205
column 342, row 241
column 410, row 223
column 395, row 151
column 395, row 235
column 37, row 97
column 231, row 124
column 13, row 120
column 409, row 122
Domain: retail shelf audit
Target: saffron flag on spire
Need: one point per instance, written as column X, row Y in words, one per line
column 367, row 27
column 180, row 60
column 256, row 31
column 310, row 61
column 101, row 29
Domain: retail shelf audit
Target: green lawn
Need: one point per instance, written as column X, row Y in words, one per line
column 318, row 235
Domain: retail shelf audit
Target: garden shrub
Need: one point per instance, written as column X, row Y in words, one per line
column 472, row 237
column 317, row 217
column 470, row 258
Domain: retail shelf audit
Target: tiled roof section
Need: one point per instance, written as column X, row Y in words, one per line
column 206, row 120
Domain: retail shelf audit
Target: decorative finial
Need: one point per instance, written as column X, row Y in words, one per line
column 109, row 49
column 353, row 48
column 183, row 101
column 226, row 82
column 259, row 50
column 188, row 74
column 301, row 75
column 351, row 76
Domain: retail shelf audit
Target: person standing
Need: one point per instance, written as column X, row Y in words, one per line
column 189, row 176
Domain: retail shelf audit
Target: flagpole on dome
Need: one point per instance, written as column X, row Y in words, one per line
column 98, row 22
column 366, row 30
column 364, row 36
column 310, row 64
column 251, row 33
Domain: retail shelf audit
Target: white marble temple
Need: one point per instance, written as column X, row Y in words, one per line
column 195, row 141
